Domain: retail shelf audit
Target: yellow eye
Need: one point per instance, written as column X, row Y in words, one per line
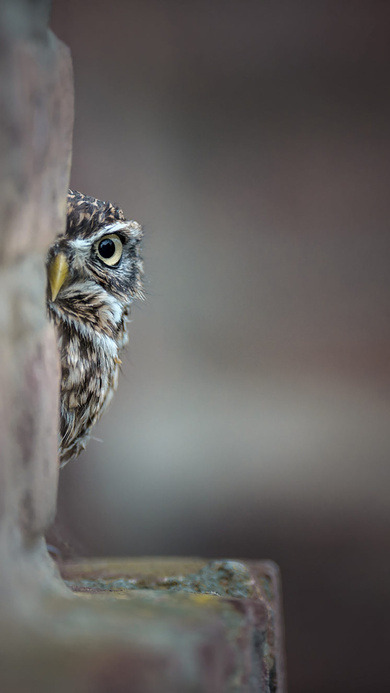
column 109, row 249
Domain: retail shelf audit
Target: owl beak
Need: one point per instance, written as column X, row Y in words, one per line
column 58, row 272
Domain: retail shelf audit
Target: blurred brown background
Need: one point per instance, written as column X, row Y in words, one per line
column 252, row 140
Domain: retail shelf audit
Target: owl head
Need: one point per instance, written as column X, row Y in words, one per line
column 94, row 269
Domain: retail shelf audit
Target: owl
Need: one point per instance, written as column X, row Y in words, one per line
column 94, row 273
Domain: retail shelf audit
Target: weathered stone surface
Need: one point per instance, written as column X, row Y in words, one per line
column 243, row 597
column 150, row 626
column 36, row 117
column 36, row 100
column 104, row 645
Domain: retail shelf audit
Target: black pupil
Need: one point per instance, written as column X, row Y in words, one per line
column 107, row 248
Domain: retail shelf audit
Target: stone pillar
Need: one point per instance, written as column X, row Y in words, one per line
column 36, row 117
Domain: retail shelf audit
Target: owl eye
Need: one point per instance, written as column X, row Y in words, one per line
column 109, row 249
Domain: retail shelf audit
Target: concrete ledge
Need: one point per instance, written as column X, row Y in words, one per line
column 152, row 625
column 219, row 620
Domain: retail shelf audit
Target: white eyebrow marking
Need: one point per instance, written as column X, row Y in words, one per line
column 131, row 226
column 116, row 226
column 84, row 244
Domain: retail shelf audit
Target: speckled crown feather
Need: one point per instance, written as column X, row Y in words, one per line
column 86, row 215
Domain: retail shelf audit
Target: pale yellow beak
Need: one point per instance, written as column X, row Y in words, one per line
column 58, row 272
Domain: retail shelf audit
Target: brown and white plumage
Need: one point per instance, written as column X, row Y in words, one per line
column 94, row 273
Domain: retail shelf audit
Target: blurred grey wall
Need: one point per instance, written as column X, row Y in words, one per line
column 253, row 416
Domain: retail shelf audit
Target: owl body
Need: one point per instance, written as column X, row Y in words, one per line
column 94, row 274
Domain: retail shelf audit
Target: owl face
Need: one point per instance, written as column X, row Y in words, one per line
column 94, row 269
